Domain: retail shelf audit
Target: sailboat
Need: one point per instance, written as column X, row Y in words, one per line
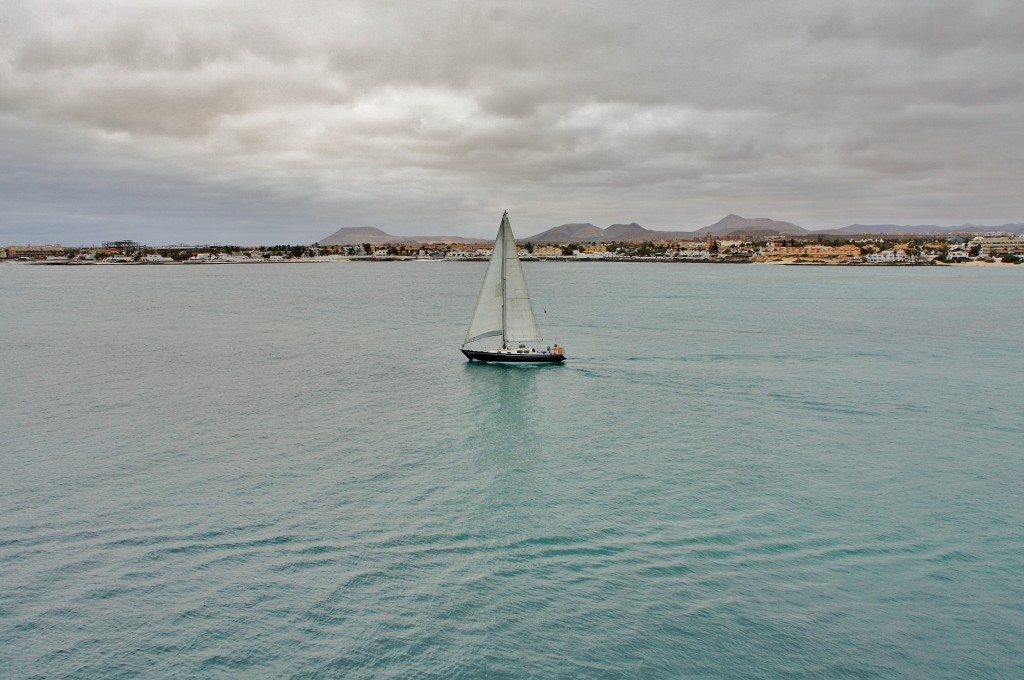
column 503, row 309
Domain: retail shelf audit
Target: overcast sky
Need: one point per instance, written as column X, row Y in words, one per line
column 246, row 122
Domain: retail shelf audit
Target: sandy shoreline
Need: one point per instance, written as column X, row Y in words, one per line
column 786, row 262
column 997, row 263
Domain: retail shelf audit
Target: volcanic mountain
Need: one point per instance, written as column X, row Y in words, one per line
column 727, row 226
column 569, row 233
column 918, row 229
column 352, row 236
column 731, row 224
column 578, row 233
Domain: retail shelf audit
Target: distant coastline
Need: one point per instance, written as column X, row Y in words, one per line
column 390, row 259
column 1005, row 248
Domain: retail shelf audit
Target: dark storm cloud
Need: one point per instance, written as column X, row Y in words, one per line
column 235, row 122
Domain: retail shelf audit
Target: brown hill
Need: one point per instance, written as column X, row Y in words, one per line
column 627, row 232
column 918, row 230
column 734, row 224
column 353, row 236
column 568, row 233
column 582, row 232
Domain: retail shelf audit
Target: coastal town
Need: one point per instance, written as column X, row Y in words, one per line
column 993, row 248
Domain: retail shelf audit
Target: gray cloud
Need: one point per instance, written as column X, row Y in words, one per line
column 240, row 123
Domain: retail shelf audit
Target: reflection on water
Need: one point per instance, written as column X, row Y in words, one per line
column 504, row 401
column 505, row 438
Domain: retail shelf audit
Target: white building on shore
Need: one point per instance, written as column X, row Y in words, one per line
column 992, row 246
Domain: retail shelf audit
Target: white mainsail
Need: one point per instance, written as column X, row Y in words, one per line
column 503, row 306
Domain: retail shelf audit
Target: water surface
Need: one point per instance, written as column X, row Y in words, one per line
column 290, row 470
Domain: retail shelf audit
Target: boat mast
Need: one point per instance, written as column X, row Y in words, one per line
column 504, row 257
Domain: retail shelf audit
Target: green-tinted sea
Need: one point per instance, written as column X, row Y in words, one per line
column 291, row 471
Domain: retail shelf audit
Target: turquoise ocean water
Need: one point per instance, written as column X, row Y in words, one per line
column 290, row 471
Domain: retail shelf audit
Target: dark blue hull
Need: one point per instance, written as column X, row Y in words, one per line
column 512, row 357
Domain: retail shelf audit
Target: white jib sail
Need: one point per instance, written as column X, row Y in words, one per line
column 520, row 324
column 503, row 306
